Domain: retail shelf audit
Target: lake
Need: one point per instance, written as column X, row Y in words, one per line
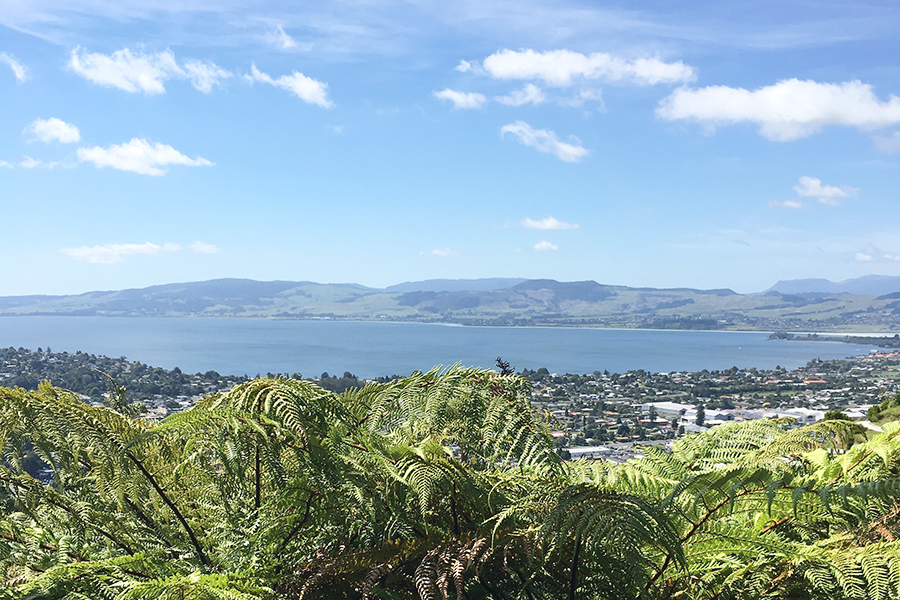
column 251, row 346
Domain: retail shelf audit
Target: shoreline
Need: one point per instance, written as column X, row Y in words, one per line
column 863, row 333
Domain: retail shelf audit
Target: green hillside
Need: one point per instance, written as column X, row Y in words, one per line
column 530, row 302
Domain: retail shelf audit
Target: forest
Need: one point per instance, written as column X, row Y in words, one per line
column 440, row 485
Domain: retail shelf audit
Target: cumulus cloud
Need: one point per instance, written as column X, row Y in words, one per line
column 5, row 165
column 530, row 94
column 138, row 72
column 139, row 156
column 125, row 70
column 19, row 70
column 544, row 140
column 461, row 99
column 785, row 204
column 465, row 66
column 444, row 252
column 306, row 88
column 205, row 76
column 115, row 253
column 789, row 110
column 201, row 248
column 829, row 195
column 545, row 246
column 890, row 144
column 48, row 130
column 547, row 223
column 561, row 68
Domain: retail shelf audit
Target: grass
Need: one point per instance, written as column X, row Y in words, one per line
column 891, row 414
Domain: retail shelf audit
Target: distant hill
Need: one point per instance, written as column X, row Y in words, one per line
column 875, row 285
column 217, row 297
column 486, row 302
column 454, row 285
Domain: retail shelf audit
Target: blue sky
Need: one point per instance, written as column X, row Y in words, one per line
column 644, row 143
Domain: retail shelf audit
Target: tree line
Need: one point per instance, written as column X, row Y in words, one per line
column 86, row 374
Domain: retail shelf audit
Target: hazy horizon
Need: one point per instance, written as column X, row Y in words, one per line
column 480, row 279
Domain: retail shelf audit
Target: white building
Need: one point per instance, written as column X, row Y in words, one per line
column 685, row 413
column 804, row 416
column 668, row 410
column 588, row 452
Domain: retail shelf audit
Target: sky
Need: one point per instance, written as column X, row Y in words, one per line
column 662, row 144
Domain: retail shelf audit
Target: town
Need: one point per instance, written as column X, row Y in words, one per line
column 606, row 415
column 600, row 415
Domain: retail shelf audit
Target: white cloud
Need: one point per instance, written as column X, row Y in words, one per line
column 139, row 156
column 465, row 66
column 889, row 145
column 444, row 252
column 33, row 163
column 5, row 165
column 544, row 140
column 281, row 40
column 201, row 248
column 461, row 99
column 205, row 75
column 583, row 96
column 47, row 130
column 114, row 253
column 18, row 69
column 138, row 72
column 530, row 94
column 306, row 88
column 789, row 110
column 548, row 223
column 125, row 70
column 560, row 68
column 545, row 246
column 785, row 204
column 829, row 195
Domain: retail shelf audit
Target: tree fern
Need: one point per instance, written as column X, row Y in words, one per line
column 444, row 484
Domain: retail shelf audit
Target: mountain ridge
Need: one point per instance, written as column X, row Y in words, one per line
column 456, row 285
column 875, row 285
column 500, row 301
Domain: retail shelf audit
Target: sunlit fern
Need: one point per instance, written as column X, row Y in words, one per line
column 444, row 484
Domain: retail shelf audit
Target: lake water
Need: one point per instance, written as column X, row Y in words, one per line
column 251, row 346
